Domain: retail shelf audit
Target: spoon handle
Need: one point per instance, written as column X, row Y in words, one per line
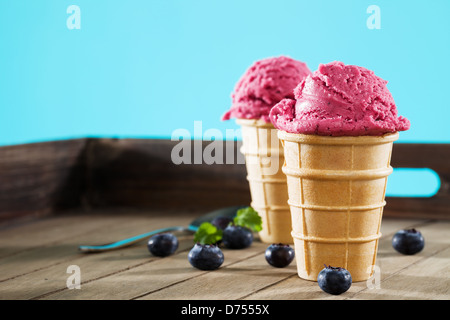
column 129, row 241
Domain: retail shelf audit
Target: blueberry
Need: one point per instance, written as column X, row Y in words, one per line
column 163, row 244
column 237, row 237
column 279, row 255
column 334, row 280
column 205, row 256
column 408, row 241
column 221, row 222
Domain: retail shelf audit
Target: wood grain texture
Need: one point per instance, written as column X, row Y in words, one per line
column 39, row 179
column 38, row 269
column 432, row 156
column 141, row 173
column 401, row 276
column 131, row 172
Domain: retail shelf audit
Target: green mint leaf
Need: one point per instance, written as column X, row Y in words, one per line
column 248, row 217
column 207, row 233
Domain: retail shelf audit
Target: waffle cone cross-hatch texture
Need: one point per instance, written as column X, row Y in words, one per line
column 336, row 189
column 268, row 187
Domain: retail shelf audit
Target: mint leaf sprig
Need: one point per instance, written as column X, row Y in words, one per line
column 248, row 217
column 207, row 233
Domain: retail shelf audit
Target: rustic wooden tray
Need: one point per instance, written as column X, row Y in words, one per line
column 37, row 179
column 55, row 196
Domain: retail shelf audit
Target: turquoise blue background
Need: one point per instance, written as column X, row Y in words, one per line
column 144, row 68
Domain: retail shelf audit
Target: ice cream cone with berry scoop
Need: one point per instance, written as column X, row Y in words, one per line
column 264, row 84
column 337, row 136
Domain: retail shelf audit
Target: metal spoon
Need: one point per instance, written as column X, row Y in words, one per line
column 229, row 212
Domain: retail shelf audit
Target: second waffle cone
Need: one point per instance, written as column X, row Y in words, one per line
column 264, row 159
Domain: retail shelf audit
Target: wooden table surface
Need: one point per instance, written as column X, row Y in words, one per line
column 35, row 256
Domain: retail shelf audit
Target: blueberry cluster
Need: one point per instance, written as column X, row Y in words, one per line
column 210, row 256
column 332, row 280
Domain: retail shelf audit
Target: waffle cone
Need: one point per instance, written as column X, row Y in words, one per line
column 268, row 188
column 336, row 189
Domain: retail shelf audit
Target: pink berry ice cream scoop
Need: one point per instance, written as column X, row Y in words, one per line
column 263, row 85
column 339, row 100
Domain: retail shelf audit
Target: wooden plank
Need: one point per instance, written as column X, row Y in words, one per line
column 228, row 283
column 435, row 157
column 149, row 277
column 65, row 249
column 390, row 225
column 436, row 237
column 32, row 235
column 53, row 278
column 243, row 279
column 27, row 236
column 134, row 274
column 391, row 265
column 168, row 280
column 427, row 279
column 140, row 172
column 38, row 178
